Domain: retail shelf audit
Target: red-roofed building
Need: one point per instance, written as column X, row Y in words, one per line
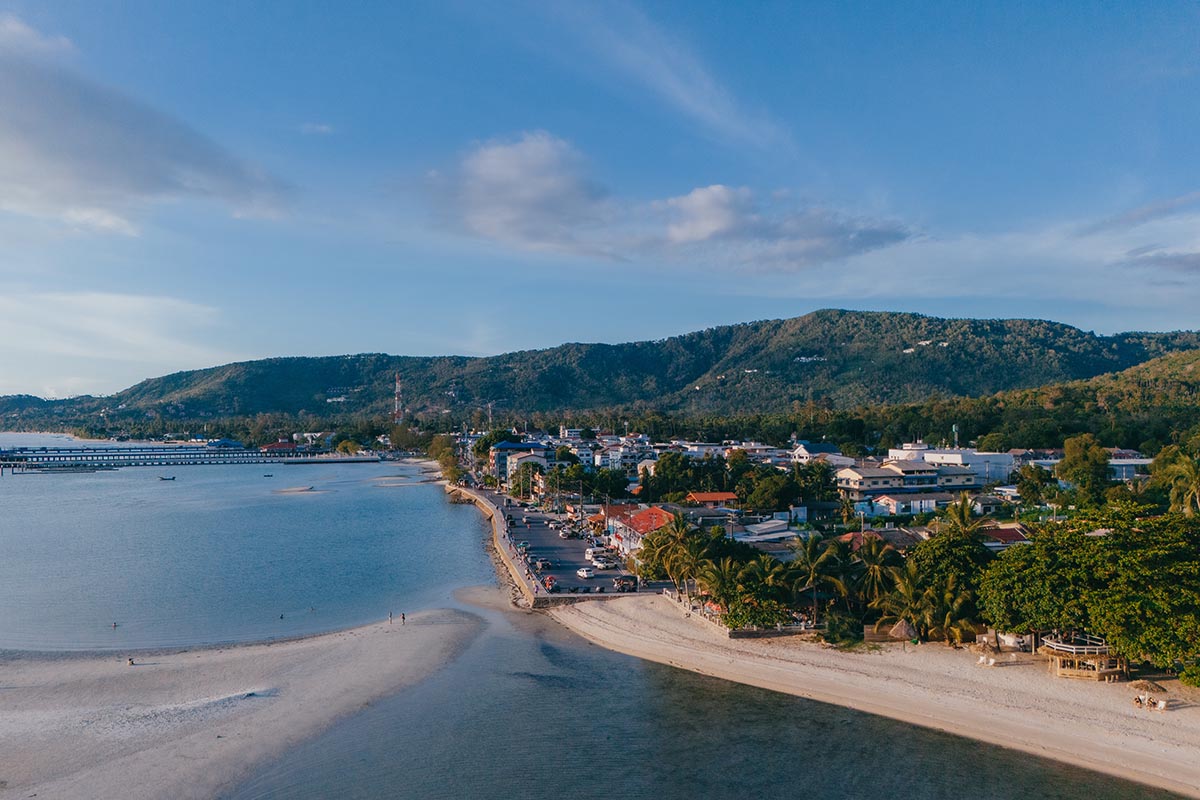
column 712, row 499
column 856, row 538
column 1003, row 537
column 628, row 531
column 278, row 448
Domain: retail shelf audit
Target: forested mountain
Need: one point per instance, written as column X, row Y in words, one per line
column 838, row 359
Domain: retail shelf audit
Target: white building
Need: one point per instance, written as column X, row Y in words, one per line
column 989, row 467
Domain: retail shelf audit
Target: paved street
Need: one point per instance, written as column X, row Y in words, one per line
column 567, row 555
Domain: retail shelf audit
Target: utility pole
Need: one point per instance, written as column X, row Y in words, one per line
column 398, row 406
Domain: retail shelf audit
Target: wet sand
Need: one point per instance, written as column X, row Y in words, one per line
column 188, row 724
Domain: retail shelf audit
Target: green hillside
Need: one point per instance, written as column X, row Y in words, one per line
column 840, row 359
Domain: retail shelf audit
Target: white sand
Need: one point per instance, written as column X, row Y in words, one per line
column 1017, row 705
column 191, row 724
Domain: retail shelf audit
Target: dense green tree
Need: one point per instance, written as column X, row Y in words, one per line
column 1031, row 483
column 1085, row 466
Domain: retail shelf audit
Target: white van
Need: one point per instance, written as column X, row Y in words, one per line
column 592, row 553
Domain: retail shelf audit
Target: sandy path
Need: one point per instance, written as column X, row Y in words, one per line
column 1016, row 705
column 189, row 724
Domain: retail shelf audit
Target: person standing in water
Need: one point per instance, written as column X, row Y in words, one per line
column 389, row 618
column 401, row 617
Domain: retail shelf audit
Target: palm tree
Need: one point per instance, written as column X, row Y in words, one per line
column 688, row 559
column 908, row 601
column 764, row 578
column 1183, row 476
column 815, row 565
column 664, row 545
column 876, row 558
column 960, row 517
column 720, row 580
column 948, row 611
column 846, row 506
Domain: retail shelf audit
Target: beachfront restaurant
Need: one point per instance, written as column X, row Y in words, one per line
column 1083, row 657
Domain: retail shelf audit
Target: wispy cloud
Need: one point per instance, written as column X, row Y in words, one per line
column 316, row 129
column 730, row 225
column 78, row 151
column 92, row 335
column 1143, row 214
column 18, row 37
column 533, row 193
column 649, row 58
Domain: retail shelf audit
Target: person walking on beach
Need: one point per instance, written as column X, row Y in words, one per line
column 402, row 618
column 389, row 618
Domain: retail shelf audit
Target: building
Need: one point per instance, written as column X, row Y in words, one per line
column 988, row 467
column 629, row 531
column 806, row 452
column 712, row 499
column 499, row 453
column 894, row 478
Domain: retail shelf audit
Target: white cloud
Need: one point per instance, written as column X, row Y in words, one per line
column 644, row 55
column 75, row 150
column 707, row 212
column 533, row 194
column 530, row 193
column 87, row 338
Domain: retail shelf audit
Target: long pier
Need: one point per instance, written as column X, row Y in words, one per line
column 86, row 459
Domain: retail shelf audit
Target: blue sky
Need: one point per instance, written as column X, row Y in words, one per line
column 186, row 184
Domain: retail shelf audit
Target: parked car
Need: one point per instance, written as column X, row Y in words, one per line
column 544, row 563
column 522, row 545
column 603, row 563
column 585, row 572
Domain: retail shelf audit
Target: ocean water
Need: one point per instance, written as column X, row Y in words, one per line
column 222, row 554
column 528, row 710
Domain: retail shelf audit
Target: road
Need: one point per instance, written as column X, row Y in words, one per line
column 568, row 555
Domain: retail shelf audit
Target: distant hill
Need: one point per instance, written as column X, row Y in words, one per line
column 840, row 359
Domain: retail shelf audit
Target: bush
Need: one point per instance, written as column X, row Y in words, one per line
column 842, row 628
column 746, row 613
column 1190, row 675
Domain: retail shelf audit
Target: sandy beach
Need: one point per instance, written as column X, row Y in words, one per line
column 190, row 724
column 1015, row 704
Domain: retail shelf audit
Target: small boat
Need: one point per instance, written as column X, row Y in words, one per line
column 168, row 478
column 268, row 475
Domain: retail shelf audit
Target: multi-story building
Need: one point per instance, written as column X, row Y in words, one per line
column 894, row 478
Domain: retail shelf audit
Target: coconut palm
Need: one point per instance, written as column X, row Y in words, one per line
column 764, row 578
column 1183, row 476
column 959, row 517
column 688, row 559
column 948, row 615
column 876, row 559
column 720, row 580
column 816, row 565
column 908, row 601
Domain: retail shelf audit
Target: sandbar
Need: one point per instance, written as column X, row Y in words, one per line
column 1015, row 704
column 193, row 723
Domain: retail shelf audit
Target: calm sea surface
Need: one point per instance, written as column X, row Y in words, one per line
column 529, row 710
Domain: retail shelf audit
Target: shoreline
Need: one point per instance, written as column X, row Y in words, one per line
column 1013, row 705
column 191, row 723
